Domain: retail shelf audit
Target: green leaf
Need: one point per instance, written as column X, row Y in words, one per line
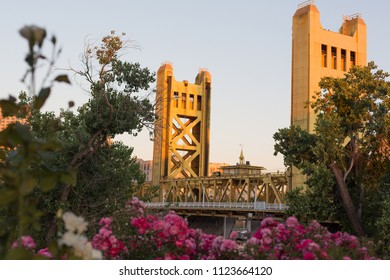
column 48, row 182
column 41, row 99
column 22, row 132
column 69, row 177
column 62, row 78
column 7, row 197
column 28, row 185
column 15, row 134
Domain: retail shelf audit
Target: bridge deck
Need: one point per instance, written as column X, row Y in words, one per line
column 256, row 210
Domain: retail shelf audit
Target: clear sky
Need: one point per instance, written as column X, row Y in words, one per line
column 245, row 45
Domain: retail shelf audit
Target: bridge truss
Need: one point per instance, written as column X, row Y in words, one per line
column 268, row 188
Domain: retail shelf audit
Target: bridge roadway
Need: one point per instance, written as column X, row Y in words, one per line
column 254, row 210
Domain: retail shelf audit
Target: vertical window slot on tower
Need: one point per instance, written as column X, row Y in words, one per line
column 334, row 58
column 324, row 53
column 191, row 102
column 199, row 103
column 353, row 59
column 343, row 60
column 176, row 99
column 183, row 100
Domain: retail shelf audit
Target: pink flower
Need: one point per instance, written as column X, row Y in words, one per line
column 266, row 240
column 228, row 245
column 136, row 205
column 268, row 222
column 105, row 221
column 190, row 245
column 173, row 230
column 45, row 252
column 309, row 256
column 169, row 256
column 292, row 222
column 233, row 235
column 104, row 232
column 26, row 242
column 184, row 257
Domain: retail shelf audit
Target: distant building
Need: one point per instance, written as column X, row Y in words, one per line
column 146, row 167
column 6, row 121
column 241, row 168
column 215, row 168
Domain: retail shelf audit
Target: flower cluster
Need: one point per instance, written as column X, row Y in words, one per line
column 292, row 240
column 161, row 237
column 75, row 239
column 153, row 236
column 106, row 242
column 26, row 242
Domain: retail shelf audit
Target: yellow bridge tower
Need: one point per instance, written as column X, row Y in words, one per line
column 182, row 128
column 317, row 53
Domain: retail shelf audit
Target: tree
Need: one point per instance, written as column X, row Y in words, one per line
column 351, row 137
column 115, row 106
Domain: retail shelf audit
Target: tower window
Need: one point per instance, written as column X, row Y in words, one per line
column 176, row 99
column 353, row 59
column 324, row 54
column 199, row 103
column 183, row 100
column 191, row 102
column 343, row 60
column 334, row 57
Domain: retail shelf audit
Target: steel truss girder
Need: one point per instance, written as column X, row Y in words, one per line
column 270, row 188
column 181, row 164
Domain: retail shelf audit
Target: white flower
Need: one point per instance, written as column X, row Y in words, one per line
column 73, row 238
column 74, row 223
column 69, row 239
column 81, row 247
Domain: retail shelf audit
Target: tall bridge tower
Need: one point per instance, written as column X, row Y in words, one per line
column 182, row 128
column 316, row 53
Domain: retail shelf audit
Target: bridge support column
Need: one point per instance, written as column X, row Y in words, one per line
column 249, row 223
column 224, row 228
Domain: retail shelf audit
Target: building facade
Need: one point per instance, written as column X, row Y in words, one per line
column 146, row 166
column 6, row 121
column 215, row 168
column 317, row 53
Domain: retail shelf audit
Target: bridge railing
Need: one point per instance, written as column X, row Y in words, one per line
column 257, row 206
column 264, row 174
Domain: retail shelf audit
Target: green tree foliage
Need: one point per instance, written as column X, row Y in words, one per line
column 115, row 106
column 351, row 141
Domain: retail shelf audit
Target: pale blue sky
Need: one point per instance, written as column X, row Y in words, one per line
column 246, row 46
